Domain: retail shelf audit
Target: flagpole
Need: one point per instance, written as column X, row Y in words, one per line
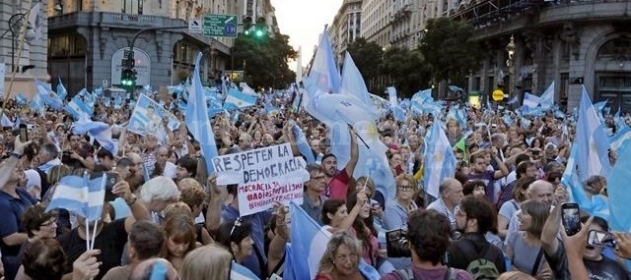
column 23, row 30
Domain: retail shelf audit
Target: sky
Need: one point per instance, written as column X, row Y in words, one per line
column 303, row 21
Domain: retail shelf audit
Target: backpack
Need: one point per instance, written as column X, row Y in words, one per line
column 408, row 274
column 480, row 268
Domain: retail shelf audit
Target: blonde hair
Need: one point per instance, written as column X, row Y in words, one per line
column 327, row 263
column 210, row 262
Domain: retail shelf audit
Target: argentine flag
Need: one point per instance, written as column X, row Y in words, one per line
column 440, row 159
column 77, row 194
column 76, row 107
column 237, row 100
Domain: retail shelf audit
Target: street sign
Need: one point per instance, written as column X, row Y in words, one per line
column 220, row 25
column 498, row 95
column 195, row 26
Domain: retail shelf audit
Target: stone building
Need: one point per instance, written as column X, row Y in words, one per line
column 574, row 44
column 87, row 39
column 23, row 66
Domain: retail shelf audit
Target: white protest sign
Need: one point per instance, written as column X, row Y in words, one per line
column 265, row 175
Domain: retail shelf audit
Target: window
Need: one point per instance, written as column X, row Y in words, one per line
column 78, row 4
column 132, row 6
column 66, row 45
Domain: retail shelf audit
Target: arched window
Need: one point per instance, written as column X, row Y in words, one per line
column 616, row 48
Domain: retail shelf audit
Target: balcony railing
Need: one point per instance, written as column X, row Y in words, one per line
column 487, row 13
column 106, row 19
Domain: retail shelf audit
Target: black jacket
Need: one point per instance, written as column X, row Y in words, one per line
column 460, row 257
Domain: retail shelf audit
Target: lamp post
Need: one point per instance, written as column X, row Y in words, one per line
column 510, row 49
column 15, row 23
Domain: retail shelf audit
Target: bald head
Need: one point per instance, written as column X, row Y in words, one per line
column 541, row 191
column 156, row 268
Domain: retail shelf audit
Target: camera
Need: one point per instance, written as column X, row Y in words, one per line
column 397, row 244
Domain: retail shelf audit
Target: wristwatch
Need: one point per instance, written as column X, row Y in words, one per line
column 133, row 200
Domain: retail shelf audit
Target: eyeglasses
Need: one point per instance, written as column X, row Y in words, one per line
column 237, row 223
column 405, row 188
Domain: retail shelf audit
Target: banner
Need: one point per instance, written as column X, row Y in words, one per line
column 265, row 175
column 147, row 118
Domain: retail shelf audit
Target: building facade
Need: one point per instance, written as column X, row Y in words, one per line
column 87, row 39
column 345, row 28
column 574, row 44
column 376, row 21
column 22, row 66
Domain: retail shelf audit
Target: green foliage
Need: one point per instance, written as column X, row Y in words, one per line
column 449, row 51
column 406, row 69
column 265, row 60
column 366, row 56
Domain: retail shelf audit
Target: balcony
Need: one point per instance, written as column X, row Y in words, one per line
column 489, row 14
column 106, row 19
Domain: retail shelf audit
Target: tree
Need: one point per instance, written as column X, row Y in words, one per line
column 265, row 60
column 366, row 55
column 406, row 69
column 449, row 51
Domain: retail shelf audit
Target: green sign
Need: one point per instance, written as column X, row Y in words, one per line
column 219, row 25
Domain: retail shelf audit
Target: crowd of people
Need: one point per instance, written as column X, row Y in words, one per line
column 497, row 217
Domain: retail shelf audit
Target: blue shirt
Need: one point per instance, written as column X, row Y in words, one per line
column 12, row 209
column 258, row 222
column 239, row 272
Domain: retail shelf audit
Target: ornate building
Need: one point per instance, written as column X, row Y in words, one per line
column 87, row 38
column 345, row 28
column 31, row 61
column 571, row 43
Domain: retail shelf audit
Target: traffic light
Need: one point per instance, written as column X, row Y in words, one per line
column 260, row 30
column 248, row 27
column 128, row 78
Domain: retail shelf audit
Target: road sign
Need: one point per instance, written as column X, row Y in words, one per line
column 195, row 26
column 220, row 25
column 498, row 95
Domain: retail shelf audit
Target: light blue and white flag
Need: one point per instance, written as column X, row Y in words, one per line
column 197, row 121
column 100, row 131
column 619, row 195
column 5, row 121
column 77, row 194
column 546, row 100
column 530, row 101
column 303, row 145
column 308, row 244
column 591, row 141
column 61, row 90
column 237, row 100
column 440, row 161
column 622, row 135
column 48, row 96
column 323, row 75
column 77, row 107
column 353, row 83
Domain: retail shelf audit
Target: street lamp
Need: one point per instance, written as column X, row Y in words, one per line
column 59, row 7
column 510, row 48
column 15, row 23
